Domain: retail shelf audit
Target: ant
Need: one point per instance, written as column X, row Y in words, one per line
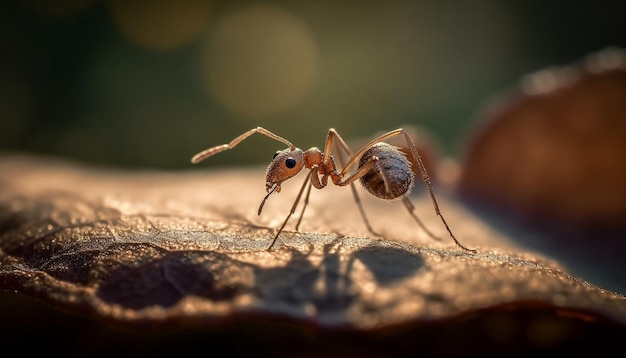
column 382, row 169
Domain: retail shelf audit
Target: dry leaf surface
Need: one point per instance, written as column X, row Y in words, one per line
column 148, row 251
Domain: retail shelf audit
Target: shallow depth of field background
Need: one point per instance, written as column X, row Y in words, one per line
column 146, row 84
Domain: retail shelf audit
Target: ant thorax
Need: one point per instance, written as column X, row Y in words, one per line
column 313, row 156
column 391, row 177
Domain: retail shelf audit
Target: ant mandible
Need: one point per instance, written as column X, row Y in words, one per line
column 382, row 169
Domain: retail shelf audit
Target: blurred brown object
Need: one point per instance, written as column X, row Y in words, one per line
column 550, row 161
column 555, row 151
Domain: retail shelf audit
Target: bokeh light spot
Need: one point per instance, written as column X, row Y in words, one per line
column 261, row 61
column 161, row 24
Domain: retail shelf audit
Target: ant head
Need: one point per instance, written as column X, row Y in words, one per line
column 285, row 164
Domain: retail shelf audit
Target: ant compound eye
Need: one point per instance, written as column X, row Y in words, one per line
column 290, row 163
column 275, row 154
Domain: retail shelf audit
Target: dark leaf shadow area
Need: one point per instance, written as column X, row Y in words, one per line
column 161, row 256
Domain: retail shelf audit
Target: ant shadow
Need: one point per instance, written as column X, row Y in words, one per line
column 329, row 285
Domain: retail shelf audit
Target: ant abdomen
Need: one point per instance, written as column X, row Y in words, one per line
column 391, row 176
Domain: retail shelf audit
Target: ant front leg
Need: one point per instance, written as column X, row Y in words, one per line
column 307, row 181
column 312, row 174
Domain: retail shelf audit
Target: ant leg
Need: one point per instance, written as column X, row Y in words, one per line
column 357, row 199
column 338, row 178
column 452, row 235
column 306, row 202
column 293, row 208
column 366, row 167
column 339, row 181
column 431, row 192
column 360, row 205
column 411, row 208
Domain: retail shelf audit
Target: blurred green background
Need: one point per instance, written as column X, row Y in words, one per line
column 147, row 83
